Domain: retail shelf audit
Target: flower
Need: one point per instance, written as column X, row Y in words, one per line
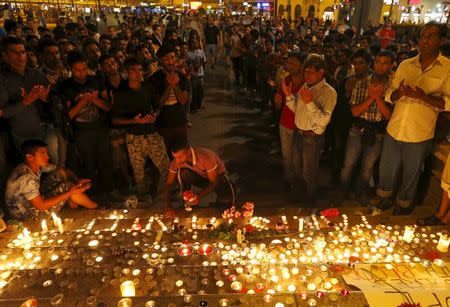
column 249, row 228
column 330, row 213
column 432, row 254
column 189, row 196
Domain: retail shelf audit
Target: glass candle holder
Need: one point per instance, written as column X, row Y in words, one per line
column 127, row 288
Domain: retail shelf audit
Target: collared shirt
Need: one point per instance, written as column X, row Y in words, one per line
column 359, row 95
column 204, row 161
column 316, row 115
column 413, row 120
column 23, row 185
column 195, row 59
column 11, row 85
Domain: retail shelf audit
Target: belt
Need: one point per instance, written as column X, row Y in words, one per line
column 307, row 132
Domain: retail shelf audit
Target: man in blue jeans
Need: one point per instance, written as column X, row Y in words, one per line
column 420, row 90
column 370, row 113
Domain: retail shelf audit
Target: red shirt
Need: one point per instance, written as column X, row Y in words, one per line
column 287, row 118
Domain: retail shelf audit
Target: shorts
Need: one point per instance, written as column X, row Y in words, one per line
column 445, row 182
column 53, row 184
column 211, row 49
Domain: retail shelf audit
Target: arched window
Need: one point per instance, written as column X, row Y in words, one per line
column 281, row 10
column 298, row 11
column 311, row 11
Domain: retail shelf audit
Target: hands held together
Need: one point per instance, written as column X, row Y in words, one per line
column 305, row 93
column 37, row 92
column 146, row 119
column 408, row 91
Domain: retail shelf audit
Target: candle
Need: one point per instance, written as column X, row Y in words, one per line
column 300, row 224
column 444, row 242
column 236, row 285
column 44, row 226
column 127, row 288
column 408, row 235
column 125, row 302
column 239, row 236
column 55, row 217
column 30, row 303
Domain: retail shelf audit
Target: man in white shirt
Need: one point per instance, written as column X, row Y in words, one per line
column 315, row 102
column 420, row 90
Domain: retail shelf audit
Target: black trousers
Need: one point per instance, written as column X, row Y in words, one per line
column 225, row 190
column 197, row 92
column 238, row 66
column 93, row 145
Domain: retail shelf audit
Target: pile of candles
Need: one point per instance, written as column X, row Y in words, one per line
column 305, row 256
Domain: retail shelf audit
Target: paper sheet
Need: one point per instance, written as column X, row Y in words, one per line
column 429, row 286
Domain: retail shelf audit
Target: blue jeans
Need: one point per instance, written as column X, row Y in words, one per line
column 289, row 154
column 356, row 149
column 4, row 170
column 409, row 157
column 309, row 148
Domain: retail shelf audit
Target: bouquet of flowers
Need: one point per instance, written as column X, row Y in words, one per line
column 231, row 213
column 189, row 197
column 247, row 209
column 330, row 213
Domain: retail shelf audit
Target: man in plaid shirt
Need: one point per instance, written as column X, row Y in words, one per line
column 371, row 113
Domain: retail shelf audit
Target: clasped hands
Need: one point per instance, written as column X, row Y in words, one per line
column 305, row 93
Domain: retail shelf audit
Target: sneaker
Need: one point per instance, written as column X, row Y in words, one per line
column 402, row 211
column 383, row 205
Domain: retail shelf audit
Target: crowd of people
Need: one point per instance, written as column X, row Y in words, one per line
column 101, row 101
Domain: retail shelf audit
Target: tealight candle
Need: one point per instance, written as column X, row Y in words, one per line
column 236, row 285
column 444, row 242
column 125, row 302
column 30, row 303
column 127, row 288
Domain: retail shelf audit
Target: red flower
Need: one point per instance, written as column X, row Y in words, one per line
column 432, row 254
column 249, row 228
column 189, row 196
column 330, row 213
column 353, row 259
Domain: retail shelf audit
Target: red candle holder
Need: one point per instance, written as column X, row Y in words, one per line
column 205, row 249
column 185, row 250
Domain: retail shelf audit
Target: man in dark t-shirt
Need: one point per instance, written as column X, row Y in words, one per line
column 86, row 101
column 136, row 110
column 212, row 33
column 170, row 88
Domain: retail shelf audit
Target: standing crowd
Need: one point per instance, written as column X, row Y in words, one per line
column 103, row 100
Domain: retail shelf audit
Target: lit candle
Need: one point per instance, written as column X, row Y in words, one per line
column 444, row 242
column 44, row 226
column 30, row 303
column 127, row 288
column 60, row 225
column 54, row 217
column 408, row 235
column 300, row 224
column 125, row 302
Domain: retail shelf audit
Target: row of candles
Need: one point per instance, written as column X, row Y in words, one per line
column 310, row 246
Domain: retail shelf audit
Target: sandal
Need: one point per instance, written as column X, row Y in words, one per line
column 430, row 221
